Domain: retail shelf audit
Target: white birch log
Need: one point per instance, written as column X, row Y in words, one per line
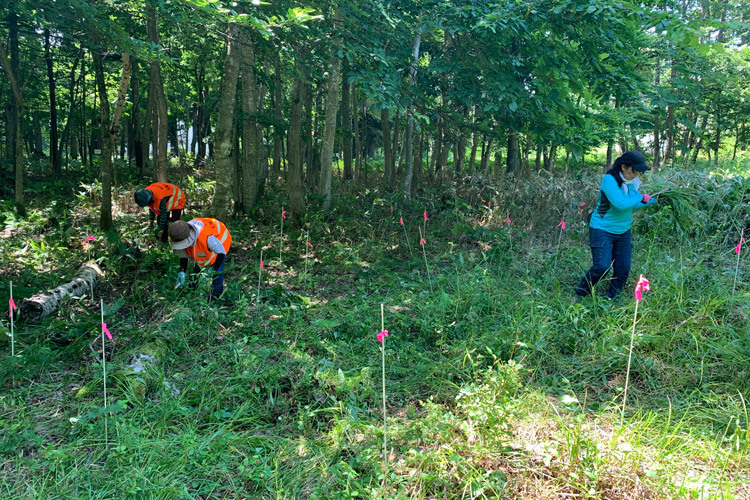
column 42, row 305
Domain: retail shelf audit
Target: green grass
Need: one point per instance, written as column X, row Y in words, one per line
column 500, row 384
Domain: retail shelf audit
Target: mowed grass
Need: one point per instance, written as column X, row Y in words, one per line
column 500, row 384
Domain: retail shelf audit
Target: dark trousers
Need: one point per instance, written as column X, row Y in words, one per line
column 173, row 216
column 607, row 250
column 217, row 283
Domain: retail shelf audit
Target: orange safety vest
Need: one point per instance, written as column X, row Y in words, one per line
column 200, row 252
column 161, row 190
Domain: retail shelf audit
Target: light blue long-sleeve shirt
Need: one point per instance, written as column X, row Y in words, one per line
column 615, row 206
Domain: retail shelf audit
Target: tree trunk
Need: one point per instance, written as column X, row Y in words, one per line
column 410, row 119
column 53, row 153
column 278, row 131
column 387, row 145
column 511, row 160
column 699, row 144
column 346, row 123
column 161, row 126
column 136, row 118
column 294, row 161
column 357, row 138
column 105, row 215
column 487, row 147
column 222, row 202
column 460, row 153
column 329, row 134
column 251, row 143
column 18, row 129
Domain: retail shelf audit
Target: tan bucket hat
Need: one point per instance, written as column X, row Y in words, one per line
column 182, row 235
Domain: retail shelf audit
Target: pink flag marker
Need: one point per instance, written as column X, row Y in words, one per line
column 11, row 307
column 308, row 244
column 507, row 219
column 425, row 216
column 401, row 220
column 641, row 286
column 391, row 208
column 283, row 214
column 261, row 265
column 738, row 248
column 489, row 204
column 561, row 224
column 469, row 206
column 583, row 203
column 382, row 335
column 422, row 241
column 106, row 330
column 90, row 238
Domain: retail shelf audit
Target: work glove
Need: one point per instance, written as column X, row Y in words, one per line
column 180, row 280
column 646, row 198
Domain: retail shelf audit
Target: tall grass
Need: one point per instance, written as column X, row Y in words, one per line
column 500, row 384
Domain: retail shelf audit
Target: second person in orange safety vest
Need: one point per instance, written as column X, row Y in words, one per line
column 165, row 201
column 207, row 242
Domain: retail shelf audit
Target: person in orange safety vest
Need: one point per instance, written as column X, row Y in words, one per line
column 207, row 242
column 165, row 201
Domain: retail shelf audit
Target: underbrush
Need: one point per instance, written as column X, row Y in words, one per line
column 500, row 384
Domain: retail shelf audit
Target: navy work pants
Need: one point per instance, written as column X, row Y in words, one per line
column 607, row 250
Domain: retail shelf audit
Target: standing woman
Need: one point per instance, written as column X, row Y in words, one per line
column 609, row 229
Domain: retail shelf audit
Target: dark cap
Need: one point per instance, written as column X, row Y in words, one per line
column 635, row 159
column 143, row 197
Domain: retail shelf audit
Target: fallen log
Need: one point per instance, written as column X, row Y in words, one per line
column 42, row 305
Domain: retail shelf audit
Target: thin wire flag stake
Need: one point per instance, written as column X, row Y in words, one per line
column 422, row 243
column 11, row 308
column 260, row 274
column 406, row 235
column 308, row 245
column 641, row 286
column 381, row 338
column 738, row 250
column 281, row 233
column 104, row 369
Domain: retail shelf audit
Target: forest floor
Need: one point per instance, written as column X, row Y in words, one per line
column 499, row 382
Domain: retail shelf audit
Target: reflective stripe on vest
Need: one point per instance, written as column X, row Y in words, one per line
column 163, row 190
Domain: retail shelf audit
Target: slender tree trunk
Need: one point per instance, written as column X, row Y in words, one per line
column 251, row 143
column 329, row 133
column 657, row 124
column 278, row 131
column 137, row 118
column 357, row 138
column 511, row 160
column 295, row 187
column 105, row 215
column 699, row 143
column 222, row 202
column 486, row 149
column 460, row 153
column 53, row 153
column 66, row 134
column 387, row 145
column 161, row 125
column 346, row 123
column 18, row 123
column 410, row 119
column 474, row 146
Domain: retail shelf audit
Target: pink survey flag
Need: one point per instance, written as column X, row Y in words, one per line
column 469, row 206
column 401, row 220
column 422, row 241
column 425, row 216
column 391, row 208
column 11, row 307
column 106, row 330
column 489, row 203
column 261, row 265
column 583, row 203
column 561, row 224
column 89, row 238
column 642, row 286
column 283, row 214
column 308, row 244
column 382, row 335
column 507, row 219
column 738, row 248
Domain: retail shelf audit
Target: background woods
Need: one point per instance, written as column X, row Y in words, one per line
column 412, row 91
